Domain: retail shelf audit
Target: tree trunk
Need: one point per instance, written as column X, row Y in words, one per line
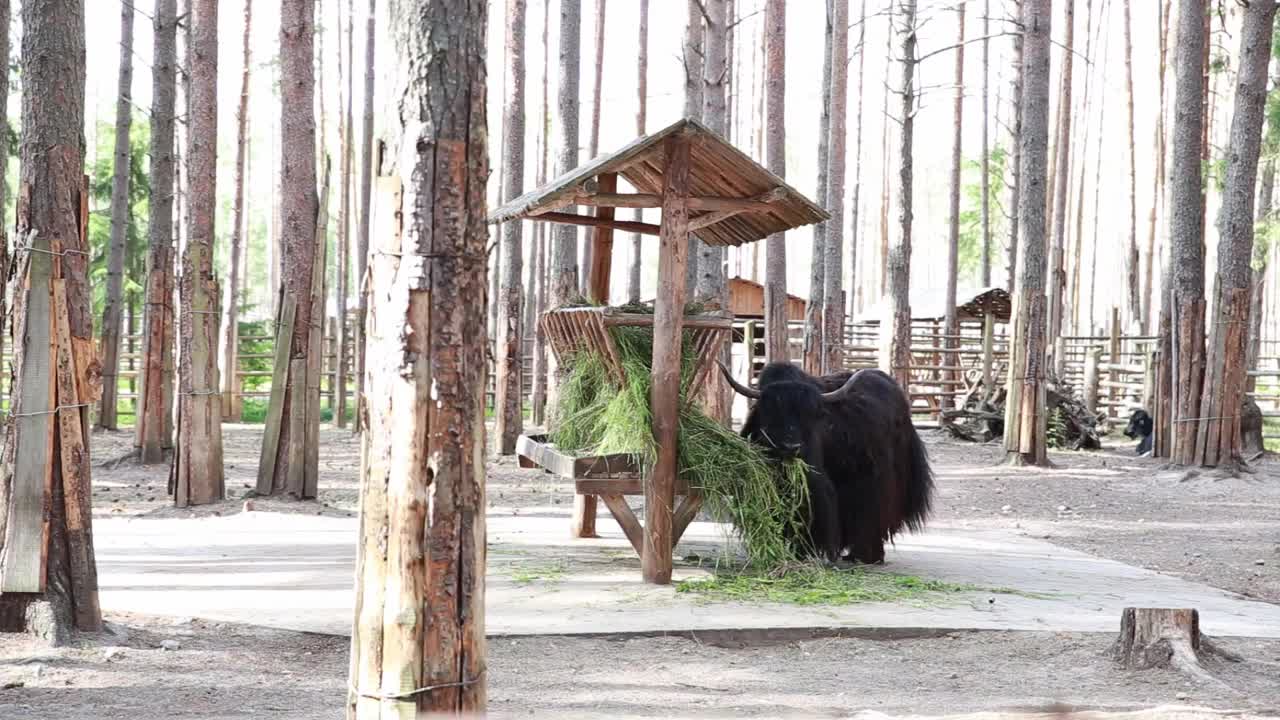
column 285, row 465
column 813, row 322
column 155, row 405
column 642, row 103
column 540, row 258
column 420, row 568
column 1082, row 141
column 1015, row 159
column 368, row 170
column 952, row 324
column 1182, row 318
column 885, row 160
column 775, row 284
column 1261, row 251
column 342, row 256
column 508, row 403
column 985, row 267
column 694, row 101
column 710, row 258
column 897, row 359
column 1218, row 438
column 564, row 247
column 120, row 215
column 230, row 380
column 593, row 145
column 1133, row 286
column 48, row 575
column 1060, row 173
column 833, row 272
column 5, row 258
column 855, row 289
column 1157, row 187
column 198, row 472
column 1024, row 427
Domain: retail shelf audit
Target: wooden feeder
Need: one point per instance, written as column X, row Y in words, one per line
column 704, row 187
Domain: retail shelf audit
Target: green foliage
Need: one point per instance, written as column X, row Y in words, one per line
column 1056, row 430
column 740, row 485
column 812, row 584
column 101, row 171
column 970, row 250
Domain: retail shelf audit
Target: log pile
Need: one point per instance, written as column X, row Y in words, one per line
column 980, row 417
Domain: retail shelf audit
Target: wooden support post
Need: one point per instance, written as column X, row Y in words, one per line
column 1092, row 358
column 659, row 482
column 1113, row 350
column 988, row 350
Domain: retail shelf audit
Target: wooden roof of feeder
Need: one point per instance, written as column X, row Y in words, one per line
column 732, row 199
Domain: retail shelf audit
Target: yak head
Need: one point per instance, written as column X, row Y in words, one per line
column 1140, row 425
column 788, row 407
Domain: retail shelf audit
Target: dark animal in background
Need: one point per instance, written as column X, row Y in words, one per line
column 869, row 477
column 1140, row 428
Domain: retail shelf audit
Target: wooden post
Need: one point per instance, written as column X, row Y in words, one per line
column 1113, row 350
column 988, row 349
column 1148, row 380
column 1093, row 356
column 659, row 482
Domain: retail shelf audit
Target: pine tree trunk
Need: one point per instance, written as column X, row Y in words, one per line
column 48, row 575
column 1081, row 141
column 642, row 103
column 1182, row 319
column 855, row 291
column 420, row 563
column 5, row 258
column 1157, row 187
column 833, row 272
column 593, row 144
column 710, row 259
column 775, row 284
column 121, row 212
column 1218, row 439
column 885, row 161
column 198, row 472
column 1059, row 186
column 508, row 404
column 1024, row 427
column 285, row 466
column 1133, row 286
column 1015, row 160
column 230, row 364
column 813, row 323
column 155, row 405
column 897, row 360
column 541, row 254
column 342, row 256
column 1261, row 254
column 985, row 262
column 564, row 247
column 368, row 171
column 694, row 100
column 952, row 323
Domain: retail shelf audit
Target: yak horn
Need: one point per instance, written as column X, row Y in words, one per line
column 840, row 392
column 737, row 386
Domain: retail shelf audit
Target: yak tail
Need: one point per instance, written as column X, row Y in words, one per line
column 919, row 496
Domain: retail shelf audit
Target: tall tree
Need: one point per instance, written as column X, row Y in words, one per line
column 1157, row 187
column 5, row 17
column 1025, row 422
column 775, row 284
column 420, row 571
column 694, row 99
column 231, row 334
column 508, row 404
column 564, row 244
column 885, row 158
column 593, row 142
column 48, row 575
column 642, row 103
column 813, row 322
column 540, row 232
column 1218, row 440
column 1266, row 200
column 155, row 406
column 898, row 348
column 985, row 262
column 953, row 237
column 1184, row 313
column 855, row 207
column 833, row 272
column 342, row 261
column 1015, row 160
column 291, row 437
column 113, row 309
column 367, row 171
column 715, row 69
column 1081, row 140
column 198, row 472
column 1059, row 185
column 1133, row 282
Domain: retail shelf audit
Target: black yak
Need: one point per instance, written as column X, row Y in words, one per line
column 870, row 474
column 1140, row 428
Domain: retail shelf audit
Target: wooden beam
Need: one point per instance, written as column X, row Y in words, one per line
column 573, row 219
column 761, row 203
column 609, row 199
column 602, row 250
column 659, row 483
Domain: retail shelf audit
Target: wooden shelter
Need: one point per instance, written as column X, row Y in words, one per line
column 705, row 187
column 746, row 300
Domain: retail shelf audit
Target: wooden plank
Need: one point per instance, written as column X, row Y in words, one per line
column 74, row 456
column 26, row 542
column 275, row 406
column 659, row 483
column 602, row 246
column 315, row 354
column 295, row 483
column 631, row 226
column 688, row 510
column 626, row 518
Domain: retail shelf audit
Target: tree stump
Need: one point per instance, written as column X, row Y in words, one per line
column 1166, row 638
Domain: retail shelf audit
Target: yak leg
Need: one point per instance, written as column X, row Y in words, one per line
column 824, row 521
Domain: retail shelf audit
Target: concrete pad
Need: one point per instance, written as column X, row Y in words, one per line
column 295, row 572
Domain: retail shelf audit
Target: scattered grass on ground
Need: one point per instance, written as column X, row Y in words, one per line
column 529, row 574
column 813, row 584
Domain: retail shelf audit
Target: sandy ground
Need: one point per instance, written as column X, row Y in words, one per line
column 1218, row 530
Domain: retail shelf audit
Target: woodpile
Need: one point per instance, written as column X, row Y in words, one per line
column 980, row 417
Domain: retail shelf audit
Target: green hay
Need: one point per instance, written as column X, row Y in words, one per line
column 813, row 584
column 761, row 498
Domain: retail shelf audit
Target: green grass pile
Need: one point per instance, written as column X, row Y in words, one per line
column 814, row 584
column 761, row 498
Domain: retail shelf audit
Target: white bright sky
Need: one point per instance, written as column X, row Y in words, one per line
column 804, row 59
